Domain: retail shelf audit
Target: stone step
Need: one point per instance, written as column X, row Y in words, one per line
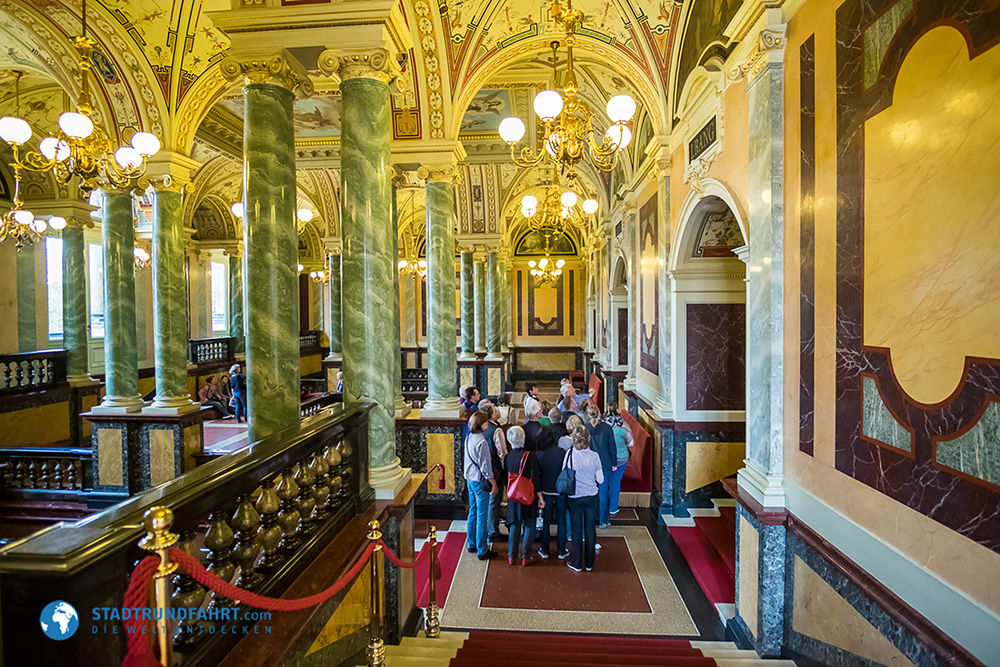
column 422, row 651
column 722, row 646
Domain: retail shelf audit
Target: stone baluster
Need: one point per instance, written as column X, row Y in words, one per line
column 321, row 489
column 219, row 541
column 288, row 515
column 305, row 503
column 246, row 521
column 334, row 461
column 270, row 532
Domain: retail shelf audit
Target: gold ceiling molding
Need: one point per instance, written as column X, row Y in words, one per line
column 276, row 68
column 769, row 49
column 367, row 64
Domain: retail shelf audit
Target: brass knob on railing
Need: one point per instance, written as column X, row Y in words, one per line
column 376, row 647
column 432, row 626
column 159, row 520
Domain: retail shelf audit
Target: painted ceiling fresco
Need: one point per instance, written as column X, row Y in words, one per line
column 314, row 117
column 486, row 111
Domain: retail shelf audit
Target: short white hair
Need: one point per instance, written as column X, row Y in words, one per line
column 515, row 436
column 535, row 410
column 565, row 389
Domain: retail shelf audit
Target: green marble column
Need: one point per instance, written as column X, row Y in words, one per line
column 479, row 307
column 270, row 255
column 468, row 308
column 493, row 305
column 333, row 266
column 369, row 268
column 402, row 408
column 74, row 298
column 169, row 305
column 236, row 319
column 121, row 363
column 505, row 301
column 442, row 381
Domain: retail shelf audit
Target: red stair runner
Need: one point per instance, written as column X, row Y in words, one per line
column 722, row 536
column 712, row 574
column 449, row 553
column 513, row 649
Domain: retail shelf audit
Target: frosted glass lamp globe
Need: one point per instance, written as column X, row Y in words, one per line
column 590, row 206
column 621, row 108
column 548, row 104
column 511, row 129
column 76, row 125
column 14, row 130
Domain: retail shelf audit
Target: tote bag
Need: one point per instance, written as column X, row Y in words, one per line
column 519, row 488
column 566, row 481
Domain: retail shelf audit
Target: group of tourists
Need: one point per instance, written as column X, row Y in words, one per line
column 223, row 392
column 563, row 468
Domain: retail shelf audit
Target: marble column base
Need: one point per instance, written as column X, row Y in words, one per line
column 467, row 355
column 494, row 357
column 662, row 409
column 765, row 489
column 171, row 405
column 447, row 407
column 630, row 383
column 334, row 356
column 480, row 350
column 402, row 407
column 388, row 480
column 118, row 405
column 81, row 381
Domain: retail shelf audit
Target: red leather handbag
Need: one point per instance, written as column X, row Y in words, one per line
column 519, row 488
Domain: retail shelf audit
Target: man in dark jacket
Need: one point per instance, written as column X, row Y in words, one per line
column 533, row 427
column 550, row 460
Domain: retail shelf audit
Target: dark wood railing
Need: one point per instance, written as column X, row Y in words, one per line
column 203, row 350
column 315, row 404
column 31, row 371
column 263, row 513
column 49, row 470
column 414, row 380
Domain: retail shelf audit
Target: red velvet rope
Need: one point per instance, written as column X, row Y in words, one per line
column 136, row 596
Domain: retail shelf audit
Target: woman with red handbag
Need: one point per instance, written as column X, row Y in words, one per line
column 524, row 497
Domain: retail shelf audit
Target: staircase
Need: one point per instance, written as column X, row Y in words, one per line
column 709, row 547
column 515, row 649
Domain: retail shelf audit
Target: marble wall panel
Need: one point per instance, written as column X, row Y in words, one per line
column 708, row 462
column 878, row 424
column 649, row 287
column 716, row 356
column 747, row 567
column 807, row 241
column 976, row 452
column 924, row 302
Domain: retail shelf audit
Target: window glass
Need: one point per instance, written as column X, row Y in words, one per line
column 95, row 275
column 54, row 285
column 220, row 300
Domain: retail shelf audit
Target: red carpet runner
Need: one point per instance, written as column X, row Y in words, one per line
column 514, row 649
column 449, row 552
column 709, row 547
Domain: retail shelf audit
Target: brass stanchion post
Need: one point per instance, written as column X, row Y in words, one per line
column 432, row 627
column 159, row 539
column 376, row 647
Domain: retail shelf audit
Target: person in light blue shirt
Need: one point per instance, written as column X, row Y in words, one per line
column 478, row 472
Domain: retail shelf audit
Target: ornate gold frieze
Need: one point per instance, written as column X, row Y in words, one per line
column 276, row 68
column 769, row 40
column 371, row 64
column 440, row 174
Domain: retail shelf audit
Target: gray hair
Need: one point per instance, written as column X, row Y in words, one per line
column 535, row 410
column 235, row 368
column 555, row 416
column 486, row 405
column 515, row 436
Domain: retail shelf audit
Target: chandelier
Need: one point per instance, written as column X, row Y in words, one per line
column 80, row 148
column 319, row 277
column 413, row 267
column 546, row 270
column 557, row 208
column 141, row 257
column 568, row 126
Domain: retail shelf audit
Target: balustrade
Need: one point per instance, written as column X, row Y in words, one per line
column 315, row 404
column 204, row 350
column 31, row 371
column 414, row 380
column 55, row 469
column 263, row 515
column 309, row 339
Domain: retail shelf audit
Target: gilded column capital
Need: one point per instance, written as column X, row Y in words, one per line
column 375, row 63
column 277, row 68
column 770, row 48
column 166, row 184
column 447, row 173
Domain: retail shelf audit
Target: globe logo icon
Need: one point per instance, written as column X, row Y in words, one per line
column 59, row 620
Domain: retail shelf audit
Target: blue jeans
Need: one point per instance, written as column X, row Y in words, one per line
column 515, row 530
column 477, row 529
column 495, row 512
column 583, row 512
column 241, row 406
column 602, row 493
column 615, row 491
column 555, row 507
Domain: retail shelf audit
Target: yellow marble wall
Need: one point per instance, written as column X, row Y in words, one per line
column 441, row 449
column 352, row 614
column 932, row 216
column 311, row 364
column 8, row 299
column 545, row 361
column 110, row 472
column 708, row 462
column 818, row 611
column 546, row 306
column 37, row 426
column 161, row 455
column 749, row 574
column 962, row 563
column 86, row 429
column 194, row 443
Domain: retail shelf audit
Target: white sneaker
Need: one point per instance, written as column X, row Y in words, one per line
column 542, row 554
column 597, row 547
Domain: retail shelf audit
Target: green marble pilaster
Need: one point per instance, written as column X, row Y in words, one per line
column 442, row 381
column 27, row 318
column 468, row 308
column 402, row 408
column 169, row 305
column 493, row 305
column 236, row 319
column 368, row 268
column 315, row 304
column 270, row 255
column 336, row 344
column 121, row 363
column 479, row 273
column 74, row 298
